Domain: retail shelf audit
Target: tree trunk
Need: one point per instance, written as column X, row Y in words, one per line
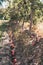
column 31, row 22
column 22, row 25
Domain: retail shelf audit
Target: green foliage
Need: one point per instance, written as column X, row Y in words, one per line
column 21, row 10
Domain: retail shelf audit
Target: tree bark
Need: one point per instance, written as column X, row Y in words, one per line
column 22, row 25
column 31, row 22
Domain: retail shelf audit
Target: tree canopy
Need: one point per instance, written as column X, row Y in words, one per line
column 23, row 10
